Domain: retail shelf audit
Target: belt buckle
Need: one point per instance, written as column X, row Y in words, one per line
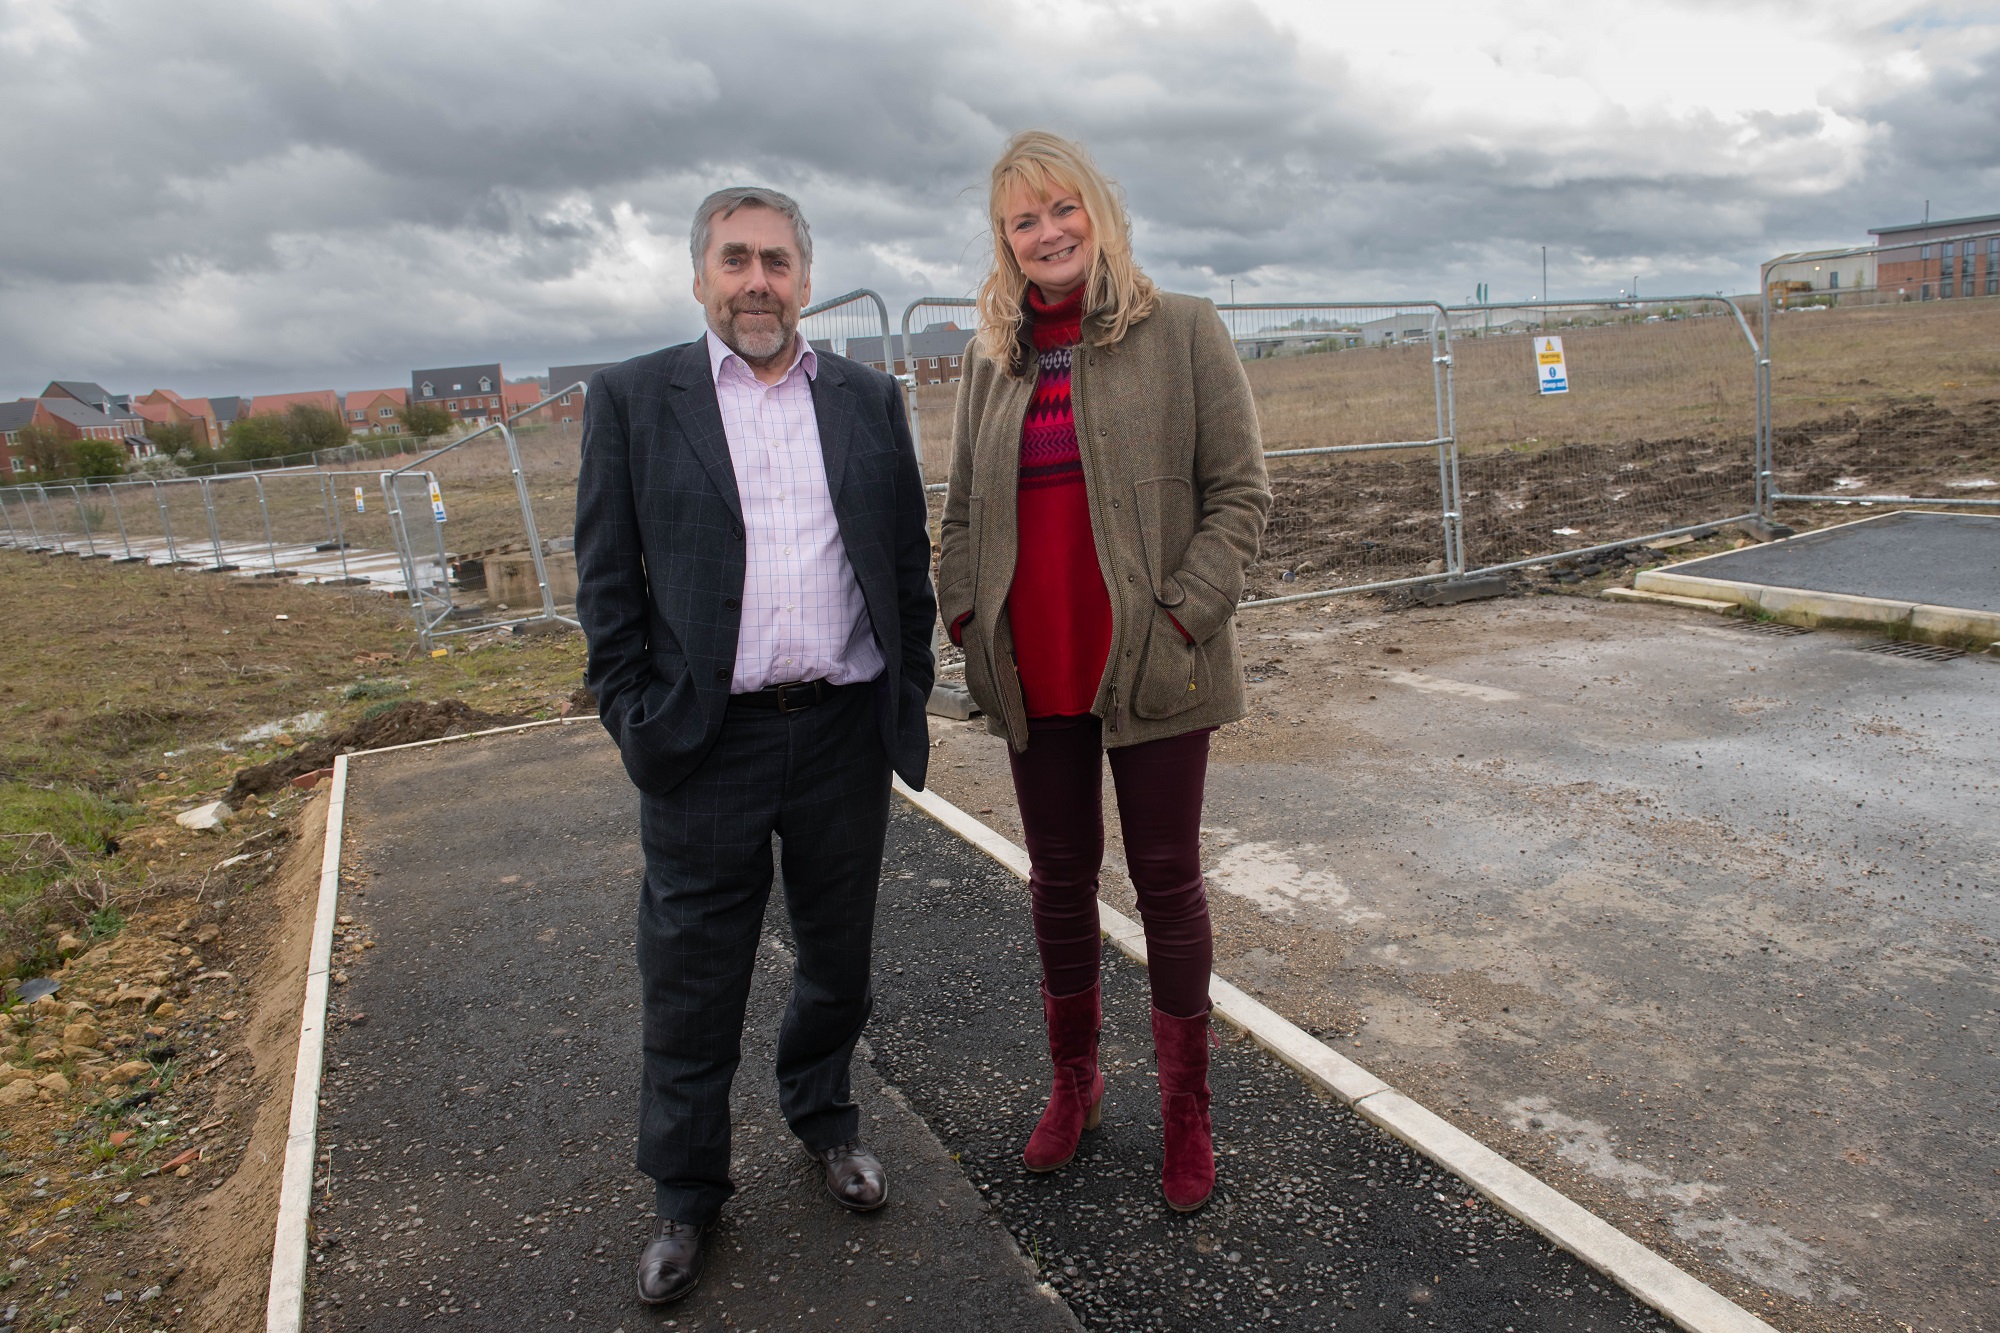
column 812, row 687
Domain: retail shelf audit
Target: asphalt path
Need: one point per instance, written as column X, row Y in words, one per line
column 480, row 1095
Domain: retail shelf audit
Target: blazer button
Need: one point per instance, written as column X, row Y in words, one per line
column 1104, row 430
column 736, row 530
column 729, row 602
column 1114, row 504
column 1131, row 578
column 722, row 673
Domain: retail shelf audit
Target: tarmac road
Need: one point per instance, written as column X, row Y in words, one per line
column 478, row 1116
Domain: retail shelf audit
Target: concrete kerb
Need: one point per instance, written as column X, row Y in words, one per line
column 1680, row 1297
column 1832, row 610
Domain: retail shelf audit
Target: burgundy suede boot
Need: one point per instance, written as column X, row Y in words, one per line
column 1077, row 1101
column 1181, row 1047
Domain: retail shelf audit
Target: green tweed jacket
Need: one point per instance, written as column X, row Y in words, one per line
column 1174, row 470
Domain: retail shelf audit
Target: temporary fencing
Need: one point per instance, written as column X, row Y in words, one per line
column 1926, row 322
column 1655, row 426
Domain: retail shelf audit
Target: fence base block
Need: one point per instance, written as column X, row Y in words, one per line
column 1763, row 530
column 952, row 701
column 1465, row 590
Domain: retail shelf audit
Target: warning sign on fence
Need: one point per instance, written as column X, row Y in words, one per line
column 437, row 501
column 1549, row 367
column 360, row 501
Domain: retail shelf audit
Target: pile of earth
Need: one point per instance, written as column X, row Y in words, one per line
column 1910, row 449
column 398, row 724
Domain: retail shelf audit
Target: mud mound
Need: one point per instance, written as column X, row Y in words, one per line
column 398, row 724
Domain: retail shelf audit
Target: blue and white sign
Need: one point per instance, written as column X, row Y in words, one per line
column 1552, row 374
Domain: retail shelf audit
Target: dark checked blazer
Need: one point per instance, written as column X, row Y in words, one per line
column 660, row 554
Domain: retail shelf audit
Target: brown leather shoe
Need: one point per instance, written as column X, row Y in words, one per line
column 671, row 1263
column 854, row 1177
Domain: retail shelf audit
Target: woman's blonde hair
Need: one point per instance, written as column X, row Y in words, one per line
column 1116, row 291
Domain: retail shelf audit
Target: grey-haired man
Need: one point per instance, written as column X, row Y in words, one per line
column 754, row 580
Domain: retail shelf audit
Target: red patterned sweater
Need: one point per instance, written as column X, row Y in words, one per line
column 1057, row 608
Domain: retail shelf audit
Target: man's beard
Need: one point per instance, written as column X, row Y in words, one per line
column 761, row 343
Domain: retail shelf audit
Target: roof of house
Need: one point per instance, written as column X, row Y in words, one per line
column 17, row 414
column 227, row 408
column 562, row 377
column 277, row 404
column 1989, row 220
column 448, row 380
column 371, row 396
column 936, row 340
column 83, row 391
column 79, row 413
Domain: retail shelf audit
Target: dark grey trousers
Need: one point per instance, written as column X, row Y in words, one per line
column 818, row 779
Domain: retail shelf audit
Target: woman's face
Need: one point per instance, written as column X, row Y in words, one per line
column 1051, row 240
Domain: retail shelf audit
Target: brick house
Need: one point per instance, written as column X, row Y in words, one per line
column 472, row 394
column 521, row 395
column 277, row 404
column 936, row 355
column 375, row 411
column 14, row 417
column 164, row 406
column 567, row 409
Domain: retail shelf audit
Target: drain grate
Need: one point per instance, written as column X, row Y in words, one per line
column 1916, row 652
column 1772, row 627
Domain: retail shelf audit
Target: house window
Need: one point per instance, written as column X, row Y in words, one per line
column 386, row 411
column 564, row 401
column 566, row 421
column 492, row 402
column 1833, row 280
column 425, row 388
column 456, row 388
column 954, row 361
column 485, row 384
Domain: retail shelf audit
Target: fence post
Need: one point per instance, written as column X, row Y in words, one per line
column 13, row 538
column 946, row 700
column 1442, row 393
column 527, row 522
column 166, row 526
column 214, row 532
column 391, row 487
column 270, row 547
column 118, row 512
column 83, row 517
column 339, row 531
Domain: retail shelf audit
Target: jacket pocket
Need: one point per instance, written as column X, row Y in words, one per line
column 1173, row 674
column 1166, row 526
column 979, row 674
column 958, row 572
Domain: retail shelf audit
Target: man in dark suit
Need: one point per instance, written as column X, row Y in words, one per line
column 753, row 575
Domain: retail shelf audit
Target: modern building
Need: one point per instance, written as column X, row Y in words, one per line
column 1956, row 257
column 470, row 393
column 374, row 411
column 937, row 354
column 1916, row 261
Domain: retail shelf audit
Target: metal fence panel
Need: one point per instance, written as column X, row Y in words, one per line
column 1883, row 394
column 1658, row 429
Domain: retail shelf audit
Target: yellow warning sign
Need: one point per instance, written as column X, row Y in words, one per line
column 1551, row 374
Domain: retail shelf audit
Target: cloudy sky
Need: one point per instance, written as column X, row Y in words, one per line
column 234, row 197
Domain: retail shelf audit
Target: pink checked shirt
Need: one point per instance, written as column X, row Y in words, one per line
column 803, row 615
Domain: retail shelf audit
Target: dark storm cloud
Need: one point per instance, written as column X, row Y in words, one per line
column 224, row 196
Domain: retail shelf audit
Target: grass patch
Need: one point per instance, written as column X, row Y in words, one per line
column 45, row 832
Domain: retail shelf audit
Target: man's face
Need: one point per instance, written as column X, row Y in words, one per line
column 752, row 284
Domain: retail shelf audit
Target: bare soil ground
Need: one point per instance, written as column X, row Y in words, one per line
column 143, row 1105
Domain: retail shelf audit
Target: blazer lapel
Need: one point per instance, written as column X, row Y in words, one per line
column 694, row 405
column 833, row 408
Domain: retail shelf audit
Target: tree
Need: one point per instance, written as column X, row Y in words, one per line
column 425, row 421
column 96, row 458
column 255, row 439
column 313, row 428
column 39, row 449
column 170, row 437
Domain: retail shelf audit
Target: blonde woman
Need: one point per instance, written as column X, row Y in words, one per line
column 1107, row 491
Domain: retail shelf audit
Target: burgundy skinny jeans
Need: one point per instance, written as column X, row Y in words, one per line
column 1058, row 783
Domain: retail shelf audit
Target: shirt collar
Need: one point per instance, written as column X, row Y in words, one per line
column 720, row 355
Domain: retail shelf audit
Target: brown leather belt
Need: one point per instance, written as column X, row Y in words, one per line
column 792, row 697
